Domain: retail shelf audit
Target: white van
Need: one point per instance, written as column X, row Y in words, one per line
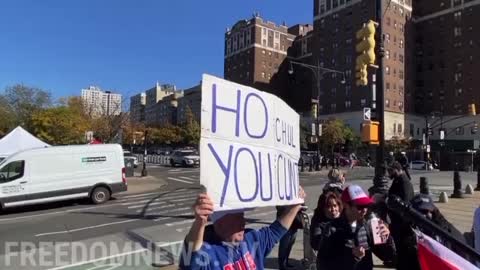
column 62, row 172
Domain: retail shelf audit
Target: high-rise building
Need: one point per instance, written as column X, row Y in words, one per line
column 137, row 107
column 153, row 96
column 254, row 51
column 192, row 98
column 334, row 40
column 97, row 102
column 447, row 55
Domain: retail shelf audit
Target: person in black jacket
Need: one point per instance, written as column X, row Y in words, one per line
column 288, row 239
column 424, row 204
column 403, row 160
column 346, row 243
column 405, row 239
column 329, row 208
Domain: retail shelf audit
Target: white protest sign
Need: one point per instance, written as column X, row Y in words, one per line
column 249, row 147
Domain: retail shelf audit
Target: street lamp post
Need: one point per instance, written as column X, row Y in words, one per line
column 318, row 72
column 144, row 169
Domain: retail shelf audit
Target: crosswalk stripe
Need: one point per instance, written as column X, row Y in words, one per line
column 180, row 222
column 157, row 208
column 143, row 205
column 139, row 195
column 186, row 178
column 179, row 180
column 169, row 212
column 159, row 197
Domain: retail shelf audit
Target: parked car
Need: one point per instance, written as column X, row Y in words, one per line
column 185, row 158
column 420, row 165
column 57, row 173
column 129, row 155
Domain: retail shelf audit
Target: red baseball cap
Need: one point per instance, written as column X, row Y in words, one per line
column 356, row 195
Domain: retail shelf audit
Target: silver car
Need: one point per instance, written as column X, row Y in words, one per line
column 185, row 158
column 129, row 155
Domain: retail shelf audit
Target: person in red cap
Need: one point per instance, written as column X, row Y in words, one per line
column 348, row 242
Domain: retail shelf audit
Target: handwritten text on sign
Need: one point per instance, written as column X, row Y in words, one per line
column 249, row 146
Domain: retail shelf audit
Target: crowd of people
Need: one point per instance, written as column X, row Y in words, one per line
column 346, row 229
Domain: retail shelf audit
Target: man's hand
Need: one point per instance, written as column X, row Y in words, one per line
column 383, row 231
column 358, row 252
column 203, row 208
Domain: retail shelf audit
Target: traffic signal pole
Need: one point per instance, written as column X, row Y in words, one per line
column 380, row 184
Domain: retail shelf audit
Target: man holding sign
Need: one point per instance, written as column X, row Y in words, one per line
column 227, row 244
column 249, row 149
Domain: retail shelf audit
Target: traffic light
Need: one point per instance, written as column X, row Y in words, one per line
column 366, row 49
column 472, row 110
column 370, row 133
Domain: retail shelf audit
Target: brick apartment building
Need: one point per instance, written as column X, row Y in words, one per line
column 430, row 52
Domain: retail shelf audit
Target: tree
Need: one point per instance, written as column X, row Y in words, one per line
column 7, row 122
column 25, row 101
column 59, row 125
column 335, row 132
column 168, row 134
column 190, row 129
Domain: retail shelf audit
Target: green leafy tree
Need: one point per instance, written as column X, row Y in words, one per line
column 25, row 101
column 7, row 122
column 190, row 129
column 168, row 134
column 59, row 125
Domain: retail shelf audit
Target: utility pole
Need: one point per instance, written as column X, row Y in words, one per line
column 380, row 184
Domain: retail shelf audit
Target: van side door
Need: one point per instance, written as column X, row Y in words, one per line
column 13, row 183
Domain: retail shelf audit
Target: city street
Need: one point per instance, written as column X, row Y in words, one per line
column 160, row 203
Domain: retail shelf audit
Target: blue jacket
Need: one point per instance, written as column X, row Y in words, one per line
column 247, row 255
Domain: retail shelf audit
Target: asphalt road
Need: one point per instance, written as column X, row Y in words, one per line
column 166, row 209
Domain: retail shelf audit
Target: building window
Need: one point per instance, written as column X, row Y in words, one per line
column 394, row 56
column 348, row 104
column 264, row 42
column 263, row 75
column 401, row 27
column 388, row 20
column 400, row 58
column 387, row 103
column 387, row 85
column 334, row 91
column 387, row 37
column 387, row 54
column 458, row 76
column 387, row 70
column 412, row 130
column 363, row 102
column 333, row 107
column 348, row 73
column 394, row 24
column 348, row 90
column 394, row 72
column 348, row 41
column 263, row 51
column 457, row 31
column 400, row 74
column 400, row 105
column 401, row 43
column 400, row 128
column 348, row 59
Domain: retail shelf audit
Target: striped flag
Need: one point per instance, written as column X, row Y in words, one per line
column 434, row 256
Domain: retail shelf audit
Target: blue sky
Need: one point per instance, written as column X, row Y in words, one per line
column 125, row 46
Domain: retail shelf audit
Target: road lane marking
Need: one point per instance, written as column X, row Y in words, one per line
column 179, row 180
column 187, row 178
column 102, row 259
column 138, row 195
column 170, row 211
column 87, row 228
column 157, row 208
column 180, row 172
column 179, row 222
column 167, row 196
column 145, row 205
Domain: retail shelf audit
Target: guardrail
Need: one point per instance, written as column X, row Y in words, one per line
column 155, row 159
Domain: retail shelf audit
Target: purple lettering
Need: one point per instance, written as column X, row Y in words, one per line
column 243, row 149
column 225, row 169
column 264, row 198
column 215, row 107
column 245, row 116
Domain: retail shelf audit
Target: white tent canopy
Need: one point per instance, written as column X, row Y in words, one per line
column 17, row 140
